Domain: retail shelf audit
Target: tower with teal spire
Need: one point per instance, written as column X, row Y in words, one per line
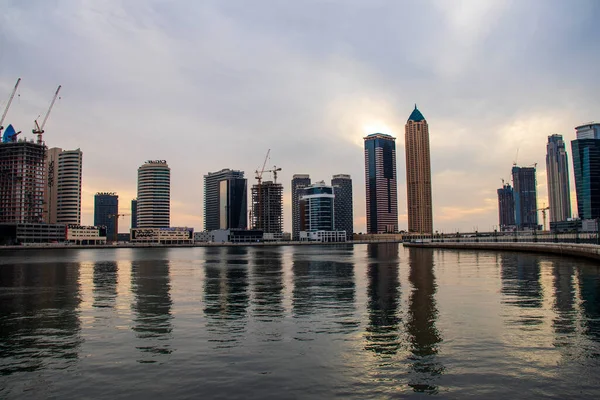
column 418, row 174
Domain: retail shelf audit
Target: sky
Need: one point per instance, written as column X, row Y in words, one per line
column 208, row 85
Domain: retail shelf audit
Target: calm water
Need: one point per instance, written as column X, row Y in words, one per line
column 369, row 321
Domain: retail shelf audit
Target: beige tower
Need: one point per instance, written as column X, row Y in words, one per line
column 418, row 174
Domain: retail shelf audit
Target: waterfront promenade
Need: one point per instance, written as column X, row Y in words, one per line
column 586, row 250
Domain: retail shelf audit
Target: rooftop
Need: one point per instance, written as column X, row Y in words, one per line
column 416, row 115
column 379, row 135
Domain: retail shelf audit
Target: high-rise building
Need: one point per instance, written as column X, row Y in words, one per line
column 586, row 166
column 343, row 212
column 68, row 193
column 62, row 195
column 317, row 208
column 134, row 214
column 380, row 179
column 21, row 181
column 267, row 207
column 299, row 182
column 418, row 174
column 506, row 207
column 154, row 195
column 106, row 210
column 557, row 171
column 525, row 194
column 225, row 200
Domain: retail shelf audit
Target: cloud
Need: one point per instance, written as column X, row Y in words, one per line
column 211, row 85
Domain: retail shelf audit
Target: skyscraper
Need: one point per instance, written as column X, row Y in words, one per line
column 106, row 210
column 299, row 182
column 525, row 193
column 267, row 207
column 557, row 171
column 225, row 200
column 506, row 207
column 21, row 181
column 68, row 193
column 418, row 174
column 154, row 195
column 343, row 212
column 586, row 166
column 133, row 213
column 380, row 179
column 317, row 208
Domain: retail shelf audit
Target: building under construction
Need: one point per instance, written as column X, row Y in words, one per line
column 267, row 207
column 22, row 181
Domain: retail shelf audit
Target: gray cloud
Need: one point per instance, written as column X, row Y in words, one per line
column 210, row 85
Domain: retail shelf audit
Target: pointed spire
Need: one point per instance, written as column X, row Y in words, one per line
column 416, row 115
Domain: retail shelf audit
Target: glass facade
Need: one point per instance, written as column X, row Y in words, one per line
column 343, row 212
column 506, row 207
column 525, row 193
column 106, row 207
column 225, row 204
column 317, row 205
column 299, row 182
column 133, row 213
column 586, row 166
column 381, row 191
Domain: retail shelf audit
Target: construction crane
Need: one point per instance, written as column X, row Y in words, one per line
column 274, row 172
column 10, row 99
column 116, row 217
column 543, row 210
column 39, row 129
column 260, row 173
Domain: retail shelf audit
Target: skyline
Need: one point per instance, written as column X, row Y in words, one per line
column 491, row 78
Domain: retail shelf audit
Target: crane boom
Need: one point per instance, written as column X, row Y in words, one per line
column 50, row 109
column 12, row 96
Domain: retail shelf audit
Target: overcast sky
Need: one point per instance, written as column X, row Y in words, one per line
column 208, row 85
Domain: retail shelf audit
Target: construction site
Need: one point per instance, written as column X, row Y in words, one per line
column 267, row 202
column 22, row 170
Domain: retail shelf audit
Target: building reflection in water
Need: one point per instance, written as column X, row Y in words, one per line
column 151, row 288
column 324, row 287
column 589, row 286
column 39, row 317
column 268, row 283
column 226, row 294
column 105, row 284
column 383, row 292
column 421, row 328
column 521, row 287
column 564, row 297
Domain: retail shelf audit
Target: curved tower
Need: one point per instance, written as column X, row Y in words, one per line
column 68, row 193
column 154, row 195
column 418, row 174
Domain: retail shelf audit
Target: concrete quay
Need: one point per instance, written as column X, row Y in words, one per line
column 44, row 246
column 590, row 251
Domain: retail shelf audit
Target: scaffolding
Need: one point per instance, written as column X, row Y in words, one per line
column 22, row 182
column 267, row 207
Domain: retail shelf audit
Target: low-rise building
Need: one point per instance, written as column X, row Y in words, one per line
column 25, row 233
column 323, row 236
column 202, row 237
column 175, row 235
column 236, row 236
column 78, row 234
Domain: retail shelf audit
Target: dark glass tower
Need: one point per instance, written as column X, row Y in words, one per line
column 225, row 200
column 299, row 182
column 506, row 207
column 380, row 179
column 133, row 213
column 525, row 194
column 586, row 165
column 343, row 213
column 106, row 209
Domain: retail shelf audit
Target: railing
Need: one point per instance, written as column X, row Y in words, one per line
column 516, row 237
